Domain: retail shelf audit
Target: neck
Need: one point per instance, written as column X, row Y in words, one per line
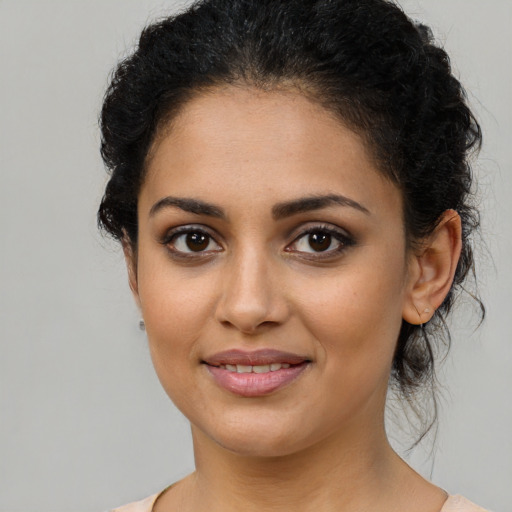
column 353, row 472
column 334, row 474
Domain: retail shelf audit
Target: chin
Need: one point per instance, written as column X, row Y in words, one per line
column 255, row 439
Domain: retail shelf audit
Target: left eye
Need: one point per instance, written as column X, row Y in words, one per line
column 319, row 241
column 193, row 241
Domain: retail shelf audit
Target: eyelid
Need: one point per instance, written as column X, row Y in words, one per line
column 345, row 239
column 173, row 233
column 343, row 236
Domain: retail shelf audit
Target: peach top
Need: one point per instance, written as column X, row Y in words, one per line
column 453, row 504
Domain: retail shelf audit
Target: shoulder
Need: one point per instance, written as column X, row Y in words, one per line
column 460, row 504
column 145, row 505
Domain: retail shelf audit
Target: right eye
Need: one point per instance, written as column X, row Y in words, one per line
column 191, row 241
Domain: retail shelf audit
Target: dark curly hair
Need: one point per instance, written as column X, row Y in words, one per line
column 363, row 60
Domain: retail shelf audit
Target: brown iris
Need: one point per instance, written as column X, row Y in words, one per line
column 197, row 241
column 319, row 241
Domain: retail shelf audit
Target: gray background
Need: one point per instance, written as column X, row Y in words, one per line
column 84, row 424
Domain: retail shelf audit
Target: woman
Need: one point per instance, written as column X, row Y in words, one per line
column 291, row 188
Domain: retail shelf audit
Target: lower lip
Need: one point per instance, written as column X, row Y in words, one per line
column 255, row 384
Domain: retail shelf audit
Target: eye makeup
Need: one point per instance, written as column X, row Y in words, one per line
column 316, row 242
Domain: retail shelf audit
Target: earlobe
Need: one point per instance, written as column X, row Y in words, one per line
column 432, row 270
column 131, row 266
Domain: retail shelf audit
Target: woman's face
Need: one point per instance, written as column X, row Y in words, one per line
column 271, row 271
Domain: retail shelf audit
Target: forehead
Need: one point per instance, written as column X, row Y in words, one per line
column 266, row 145
column 265, row 119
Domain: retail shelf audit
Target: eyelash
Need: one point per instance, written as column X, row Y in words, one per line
column 344, row 240
column 170, row 238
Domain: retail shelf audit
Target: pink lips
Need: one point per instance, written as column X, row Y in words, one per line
column 255, row 384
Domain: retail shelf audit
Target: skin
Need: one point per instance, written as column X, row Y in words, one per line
column 319, row 442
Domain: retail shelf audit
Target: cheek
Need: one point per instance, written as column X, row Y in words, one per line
column 356, row 317
column 356, row 329
column 176, row 309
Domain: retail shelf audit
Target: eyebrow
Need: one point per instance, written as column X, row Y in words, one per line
column 188, row 205
column 306, row 204
column 279, row 211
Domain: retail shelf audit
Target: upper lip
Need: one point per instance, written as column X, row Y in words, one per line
column 254, row 358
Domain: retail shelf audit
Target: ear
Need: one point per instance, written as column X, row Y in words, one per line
column 431, row 270
column 130, row 258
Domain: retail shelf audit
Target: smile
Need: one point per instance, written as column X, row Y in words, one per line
column 254, row 359
column 255, row 374
column 262, row 368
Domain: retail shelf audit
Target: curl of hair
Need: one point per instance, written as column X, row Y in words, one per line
column 363, row 60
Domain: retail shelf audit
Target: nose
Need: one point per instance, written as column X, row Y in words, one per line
column 252, row 295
